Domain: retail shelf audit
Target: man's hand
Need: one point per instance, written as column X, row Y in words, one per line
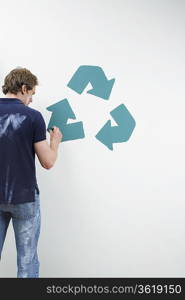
column 55, row 135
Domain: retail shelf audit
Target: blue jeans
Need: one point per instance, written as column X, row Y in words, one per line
column 26, row 224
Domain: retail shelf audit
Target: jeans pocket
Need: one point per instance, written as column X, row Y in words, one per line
column 25, row 210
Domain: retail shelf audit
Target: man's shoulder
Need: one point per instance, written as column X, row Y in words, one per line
column 32, row 110
column 34, row 113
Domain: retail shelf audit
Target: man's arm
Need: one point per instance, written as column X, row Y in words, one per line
column 47, row 154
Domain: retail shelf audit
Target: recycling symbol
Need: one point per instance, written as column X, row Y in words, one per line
column 101, row 87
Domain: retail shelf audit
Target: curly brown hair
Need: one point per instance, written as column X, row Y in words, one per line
column 16, row 78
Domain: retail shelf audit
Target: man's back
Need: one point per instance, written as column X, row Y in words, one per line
column 20, row 127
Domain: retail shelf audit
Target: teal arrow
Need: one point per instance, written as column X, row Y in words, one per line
column 95, row 75
column 117, row 134
column 61, row 112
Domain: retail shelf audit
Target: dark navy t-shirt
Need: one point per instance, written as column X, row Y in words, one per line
column 20, row 127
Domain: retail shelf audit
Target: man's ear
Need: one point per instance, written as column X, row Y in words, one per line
column 24, row 88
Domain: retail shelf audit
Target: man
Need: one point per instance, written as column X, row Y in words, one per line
column 22, row 134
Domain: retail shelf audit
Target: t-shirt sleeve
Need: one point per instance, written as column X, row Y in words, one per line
column 39, row 128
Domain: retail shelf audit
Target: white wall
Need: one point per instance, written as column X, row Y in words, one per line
column 106, row 213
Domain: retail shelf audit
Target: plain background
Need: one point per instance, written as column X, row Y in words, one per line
column 105, row 213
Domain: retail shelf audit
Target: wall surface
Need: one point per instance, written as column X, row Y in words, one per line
column 106, row 213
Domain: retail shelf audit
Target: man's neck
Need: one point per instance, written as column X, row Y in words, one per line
column 10, row 96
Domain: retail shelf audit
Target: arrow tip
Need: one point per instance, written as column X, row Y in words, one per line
column 104, row 135
column 102, row 90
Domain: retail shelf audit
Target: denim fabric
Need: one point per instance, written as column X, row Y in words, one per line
column 26, row 222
